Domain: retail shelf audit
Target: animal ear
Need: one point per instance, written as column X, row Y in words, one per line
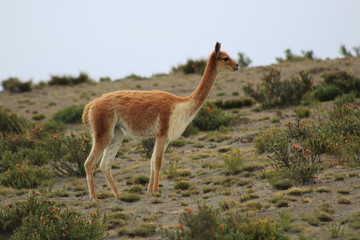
column 217, row 49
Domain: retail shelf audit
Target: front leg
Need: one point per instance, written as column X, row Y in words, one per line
column 155, row 165
column 151, row 179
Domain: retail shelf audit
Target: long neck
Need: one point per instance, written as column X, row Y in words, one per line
column 203, row 89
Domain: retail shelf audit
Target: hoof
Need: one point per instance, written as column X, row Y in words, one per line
column 94, row 198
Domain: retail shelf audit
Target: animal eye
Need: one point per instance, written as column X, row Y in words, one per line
column 226, row 59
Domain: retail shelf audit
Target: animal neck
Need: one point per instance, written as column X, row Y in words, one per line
column 203, row 89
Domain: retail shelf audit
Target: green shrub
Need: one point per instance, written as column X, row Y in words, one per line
column 105, row 79
column 233, row 103
column 39, row 117
column 289, row 56
column 14, row 85
column 52, row 125
column 14, row 142
column 69, row 153
column 211, row 224
column 171, row 171
column 233, row 162
column 190, row 130
column 338, row 135
column 298, row 164
column 211, row 118
column 344, row 119
column 327, row 92
column 36, row 156
column 11, row 122
column 39, row 218
column 134, row 76
column 69, row 80
column 25, row 176
column 243, row 61
column 345, row 52
column 72, row 114
column 191, row 66
column 302, row 112
column 273, row 91
column 335, row 84
column 343, row 80
column 266, row 141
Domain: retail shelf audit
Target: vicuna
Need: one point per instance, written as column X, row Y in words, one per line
column 145, row 114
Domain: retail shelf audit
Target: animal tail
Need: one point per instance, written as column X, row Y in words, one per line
column 85, row 116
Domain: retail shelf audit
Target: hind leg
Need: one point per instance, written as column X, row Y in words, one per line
column 103, row 133
column 108, row 158
column 90, row 163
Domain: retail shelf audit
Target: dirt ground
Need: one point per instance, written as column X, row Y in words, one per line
column 200, row 155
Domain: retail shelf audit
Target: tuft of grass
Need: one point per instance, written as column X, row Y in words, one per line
column 60, row 193
column 248, row 197
column 182, row 185
column 294, row 191
column 344, row 200
column 135, row 189
column 208, row 189
column 353, row 221
column 183, row 172
column 130, row 197
column 145, row 229
column 142, row 179
column 324, row 216
column 323, row 190
column 104, row 195
column 279, row 200
column 326, row 207
column 343, row 191
column 253, row 205
column 233, row 162
column 339, row 177
column 336, row 229
column 178, row 143
column 282, row 203
column 243, row 182
column 280, row 183
column 285, row 220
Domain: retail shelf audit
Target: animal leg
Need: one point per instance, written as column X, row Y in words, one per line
column 108, row 158
column 156, row 159
column 90, row 164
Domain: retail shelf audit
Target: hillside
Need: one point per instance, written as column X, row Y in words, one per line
column 200, row 158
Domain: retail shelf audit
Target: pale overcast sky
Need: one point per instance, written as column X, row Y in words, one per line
column 115, row 38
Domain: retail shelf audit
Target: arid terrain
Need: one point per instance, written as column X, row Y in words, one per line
column 199, row 157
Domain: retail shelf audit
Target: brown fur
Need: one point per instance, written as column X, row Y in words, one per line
column 144, row 114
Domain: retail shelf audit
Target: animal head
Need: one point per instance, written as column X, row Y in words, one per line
column 223, row 60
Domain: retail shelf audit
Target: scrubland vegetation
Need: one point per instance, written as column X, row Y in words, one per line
column 273, row 154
